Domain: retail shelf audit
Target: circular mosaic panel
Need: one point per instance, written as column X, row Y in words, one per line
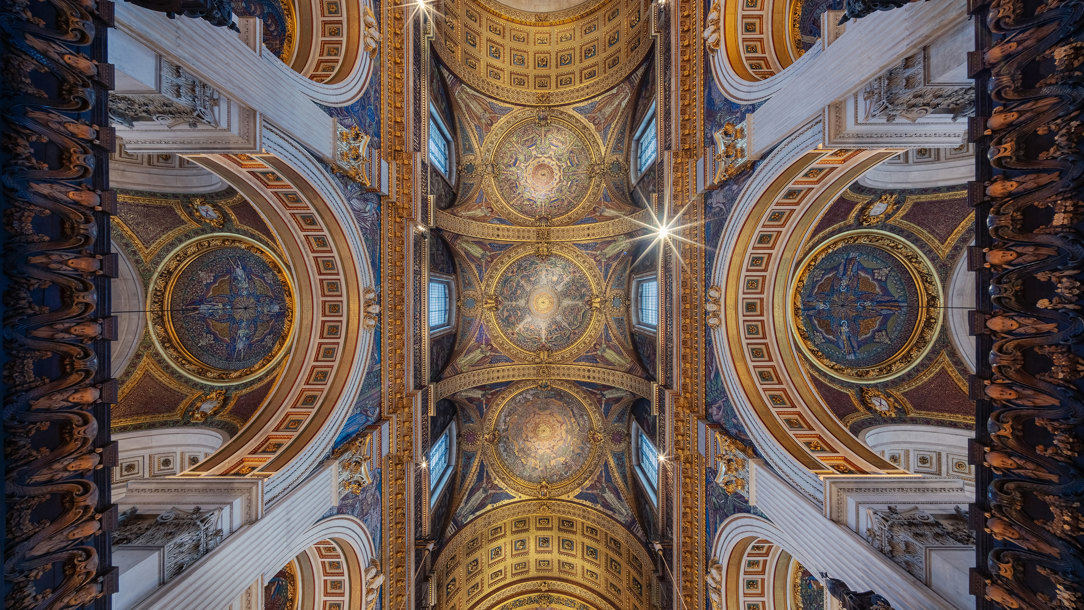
column 543, row 440
column 543, row 170
column 865, row 305
column 542, row 303
column 222, row 308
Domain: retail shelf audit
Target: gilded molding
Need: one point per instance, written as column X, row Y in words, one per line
column 568, row 233
column 396, row 210
column 564, row 372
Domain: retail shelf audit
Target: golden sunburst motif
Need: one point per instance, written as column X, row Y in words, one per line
column 543, row 305
column 543, row 439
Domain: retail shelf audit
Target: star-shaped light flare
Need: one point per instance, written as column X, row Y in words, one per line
column 666, row 231
column 425, row 8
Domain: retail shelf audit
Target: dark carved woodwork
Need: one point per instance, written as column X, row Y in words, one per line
column 853, row 600
column 54, row 152
column 1030, row 168
column 216, row 12
column 856, row 9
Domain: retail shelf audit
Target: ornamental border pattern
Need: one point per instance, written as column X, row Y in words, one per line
column 57, row 387
column 1030, row 406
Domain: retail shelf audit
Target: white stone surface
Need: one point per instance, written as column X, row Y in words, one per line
column 220, row 58
column 145, row 453
column 140, row 572
column 961, row 300
column 949, row 573
column 219, row 579
column 926, row 450
column 127, row 305
column 837, row 549
column 868, row 47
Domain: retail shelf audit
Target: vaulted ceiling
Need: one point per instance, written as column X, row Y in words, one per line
column 544, row 371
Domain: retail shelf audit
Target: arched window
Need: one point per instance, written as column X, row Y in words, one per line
column 440, row 144
column 646, row 142
column 646, row 461
column 440, row 304
column 646, row 289
column 441, row 457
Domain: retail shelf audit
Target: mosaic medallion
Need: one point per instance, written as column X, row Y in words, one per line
column 542, row 169
column 866, row 306
column 542, row 303
column 222, row 308
column 543, row 440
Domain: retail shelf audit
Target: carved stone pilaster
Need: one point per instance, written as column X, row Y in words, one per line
column 906, row 91
column 184, row 101
column 906, row 536
column 183, row 535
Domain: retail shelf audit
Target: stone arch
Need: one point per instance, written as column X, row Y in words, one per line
column 757, row 254
column 333, row 43
column 333, row 279
column 752, row 564
column 335, row 563
column 751, row 42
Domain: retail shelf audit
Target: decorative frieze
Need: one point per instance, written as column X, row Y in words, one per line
column 184, row 100
column 906, row 536
column 906, row 91
column 183, row 535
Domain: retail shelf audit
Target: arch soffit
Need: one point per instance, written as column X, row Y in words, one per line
column 339, row 538
column 334, row 49
column 749, row 77
column 332, row 346
column 747, row 537
column 759, row 363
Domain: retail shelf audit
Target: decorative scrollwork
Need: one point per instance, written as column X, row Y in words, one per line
column 55, row 152
column 1028, row 194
